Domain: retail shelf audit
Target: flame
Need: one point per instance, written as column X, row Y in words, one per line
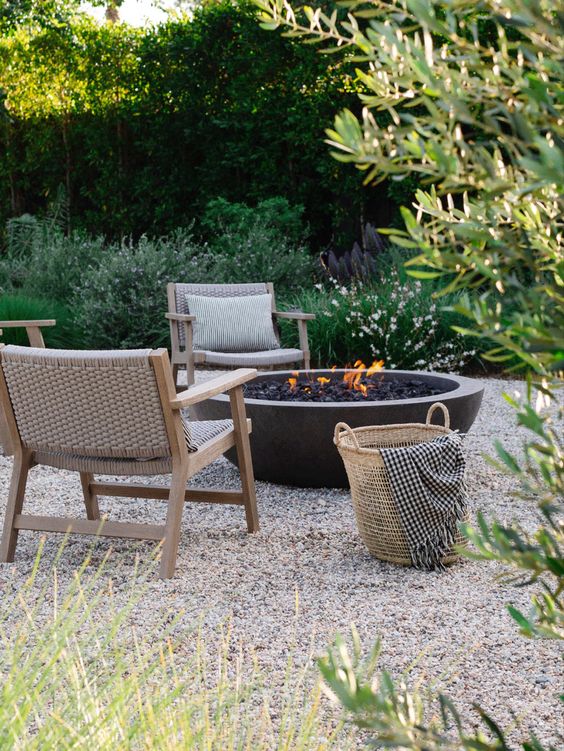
column 352, row 377
column 376, row 367
column 359, row 371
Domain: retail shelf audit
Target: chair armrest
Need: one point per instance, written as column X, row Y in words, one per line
column 296, row 315
column 33, row 329
column 301, row 319
column 214, row 386
column 26, row 324
column 180, row 317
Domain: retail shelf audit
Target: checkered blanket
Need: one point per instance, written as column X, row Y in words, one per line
column 428, row 487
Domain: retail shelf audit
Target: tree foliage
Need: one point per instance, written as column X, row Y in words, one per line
column 143, row 127
column 475, row 95
column 36, row 13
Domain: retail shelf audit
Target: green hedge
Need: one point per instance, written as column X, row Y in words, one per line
column 143, row 127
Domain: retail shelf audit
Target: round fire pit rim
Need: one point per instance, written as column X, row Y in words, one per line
column 292, row 442
column 465, row 386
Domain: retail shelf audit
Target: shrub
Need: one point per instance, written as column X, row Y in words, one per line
column 122, row 302
column 358, row 263
column 393, row 318
column 43, row 262
column 276, row 214
column 265, row 244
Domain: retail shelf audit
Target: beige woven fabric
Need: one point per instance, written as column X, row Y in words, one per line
column 212, row 290
column 199, row 432
column 376, row 512
column 91, row 404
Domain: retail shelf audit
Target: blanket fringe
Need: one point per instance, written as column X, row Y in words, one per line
column 429, row 554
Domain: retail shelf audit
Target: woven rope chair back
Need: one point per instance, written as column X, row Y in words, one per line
column 89, row 403
column 212, row 290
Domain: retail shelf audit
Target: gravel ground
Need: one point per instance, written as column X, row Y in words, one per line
column 308, row 545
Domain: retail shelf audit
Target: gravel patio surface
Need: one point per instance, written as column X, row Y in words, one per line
column 308, row 551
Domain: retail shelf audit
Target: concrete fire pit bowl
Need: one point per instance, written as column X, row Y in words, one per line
column 292, row 442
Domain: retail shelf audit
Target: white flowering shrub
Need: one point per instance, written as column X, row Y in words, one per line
column 395, row 319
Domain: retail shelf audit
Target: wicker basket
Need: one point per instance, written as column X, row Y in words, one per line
column 376, row 513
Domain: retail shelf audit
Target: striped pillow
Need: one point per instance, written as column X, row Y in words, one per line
column 233, row 324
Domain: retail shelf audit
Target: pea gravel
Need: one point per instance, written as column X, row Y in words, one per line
column 306, row 577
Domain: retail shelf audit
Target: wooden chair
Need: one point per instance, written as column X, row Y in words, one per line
column 33, row 329
column 117, row 413
column 181, row 331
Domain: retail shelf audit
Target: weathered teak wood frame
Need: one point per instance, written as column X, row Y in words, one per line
column 33, row 330
column 188, row 359
column 184, row 466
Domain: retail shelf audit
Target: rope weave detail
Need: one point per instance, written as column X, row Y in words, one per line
column 90, row 404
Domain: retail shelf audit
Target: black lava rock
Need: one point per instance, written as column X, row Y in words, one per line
column 376, row 388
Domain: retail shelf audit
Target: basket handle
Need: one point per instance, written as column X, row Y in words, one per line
column 433, row 408
column 347, row 429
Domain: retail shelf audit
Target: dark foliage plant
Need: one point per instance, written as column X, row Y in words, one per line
column 16, row 307
column 360, row 263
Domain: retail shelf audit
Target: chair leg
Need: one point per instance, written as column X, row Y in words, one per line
column 173, row 521
column 5, row 442
column 190, row 372
column 14, row 506
column 90, row 498
column 244, row 458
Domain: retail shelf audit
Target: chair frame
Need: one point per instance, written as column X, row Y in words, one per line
column 188, row 359
column 35, row 336
column 33, row 329
column 184, row 465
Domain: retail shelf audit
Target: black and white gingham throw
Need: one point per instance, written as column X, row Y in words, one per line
column 428, row 487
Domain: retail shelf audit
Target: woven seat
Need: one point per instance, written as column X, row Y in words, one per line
column 116, row 413
column 184, row 354
column 199, row 432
